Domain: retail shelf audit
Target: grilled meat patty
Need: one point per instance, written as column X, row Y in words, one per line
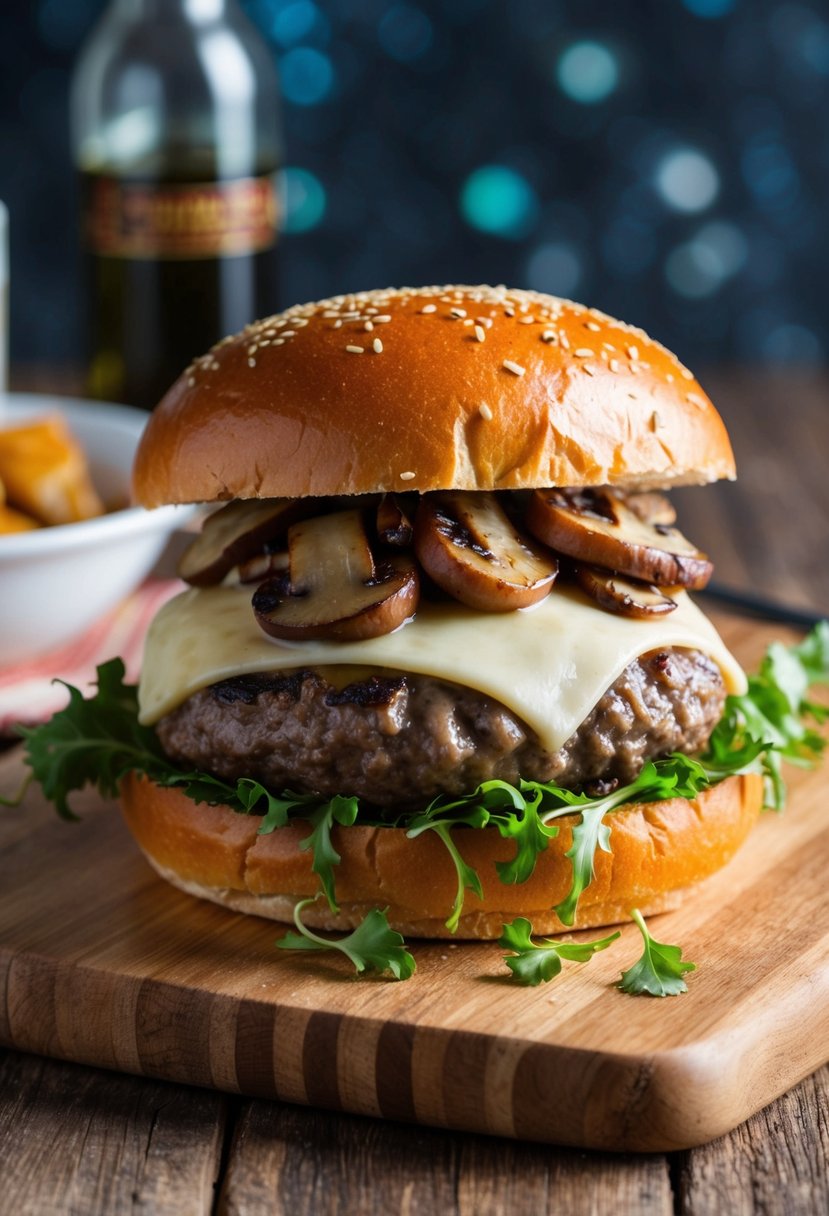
column 397, row 740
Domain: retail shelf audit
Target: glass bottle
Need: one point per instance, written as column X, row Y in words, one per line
column 176, row 136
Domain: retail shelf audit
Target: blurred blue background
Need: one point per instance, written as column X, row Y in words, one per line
column 666, row 161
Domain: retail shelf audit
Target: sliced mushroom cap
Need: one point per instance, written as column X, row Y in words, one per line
column 393, row 525
column 651, row 506
column 597, row 527
column 237, row 532
column 468, row 545
column 263, row 565
column 333, row 589
column 625, row 596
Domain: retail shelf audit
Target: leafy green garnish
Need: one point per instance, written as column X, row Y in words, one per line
column 325, row 856
column 468, row 879
column 93, row 741
column 372, row 946
column 660, row 970
column 773, row 717
column 534, row 963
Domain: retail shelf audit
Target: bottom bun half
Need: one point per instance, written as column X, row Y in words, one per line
column 660, row 851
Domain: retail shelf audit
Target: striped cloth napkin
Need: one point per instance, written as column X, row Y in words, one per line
column 28, row 693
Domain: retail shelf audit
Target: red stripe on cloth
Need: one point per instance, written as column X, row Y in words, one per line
column 28, row 692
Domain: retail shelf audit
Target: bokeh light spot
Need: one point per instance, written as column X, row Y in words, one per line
column 587, row 72
column 789, row 343
column 307, row 76
column 687, row 180
column 303, row 199
column 294, row 22
column 700, row 267
column 556, row 268
column 768, row 170
column 496, row 199
column 710, row 8
column 405, row 32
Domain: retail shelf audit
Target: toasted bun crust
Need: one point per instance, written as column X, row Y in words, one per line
column 473, row 388
column 660, row 851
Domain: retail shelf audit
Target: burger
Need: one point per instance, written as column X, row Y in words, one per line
column 438, row 629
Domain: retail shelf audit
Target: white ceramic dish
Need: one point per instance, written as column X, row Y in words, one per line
column 56, row 582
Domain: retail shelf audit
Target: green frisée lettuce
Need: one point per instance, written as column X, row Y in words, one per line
column 98, row 740
column 534, row 963
column 372, row 946
column 660, row 971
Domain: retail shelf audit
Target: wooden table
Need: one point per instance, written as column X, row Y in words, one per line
column 74, row 1139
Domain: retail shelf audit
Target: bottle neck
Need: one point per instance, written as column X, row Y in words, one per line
column 195, row 11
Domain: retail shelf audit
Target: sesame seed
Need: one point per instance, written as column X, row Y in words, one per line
column 695, row 399
column 279, row 341
column 377, row 346
column 515, row 368
column 384, row 319
column 688, row 375
column 191, row 380
column 614, row 365
column 565, row 341
column 485, row 412
column 369, row 326
column 354, row 350
column 457, row 312
column 509, row 312
column 408, row 476
column 480, row 333
column 670, row 377
column 337, row 325
column 634, row 367
column 549, row 336
column 429, row 308
column 584, row 352
column 289, row 333
column 251, row 363
column 526, row 320
column 592, row 325
column 632, row 352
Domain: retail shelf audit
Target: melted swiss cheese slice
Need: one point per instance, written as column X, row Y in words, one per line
column 549, row 664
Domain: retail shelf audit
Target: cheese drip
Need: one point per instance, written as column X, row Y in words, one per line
column 549, row 664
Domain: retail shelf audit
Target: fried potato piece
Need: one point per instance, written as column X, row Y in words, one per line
column 45, row 472
column 15, row 521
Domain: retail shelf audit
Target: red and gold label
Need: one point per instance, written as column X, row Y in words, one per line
column 127, row 219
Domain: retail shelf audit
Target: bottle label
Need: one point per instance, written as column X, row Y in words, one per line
column 126, row 219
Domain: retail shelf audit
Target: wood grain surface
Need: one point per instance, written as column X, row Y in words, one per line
column 102, row 963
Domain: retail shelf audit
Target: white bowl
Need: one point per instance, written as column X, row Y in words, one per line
column 56, row 582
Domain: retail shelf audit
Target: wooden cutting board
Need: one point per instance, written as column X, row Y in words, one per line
column 103, row 963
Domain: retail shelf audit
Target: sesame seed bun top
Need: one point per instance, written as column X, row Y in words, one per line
column 474, row 388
